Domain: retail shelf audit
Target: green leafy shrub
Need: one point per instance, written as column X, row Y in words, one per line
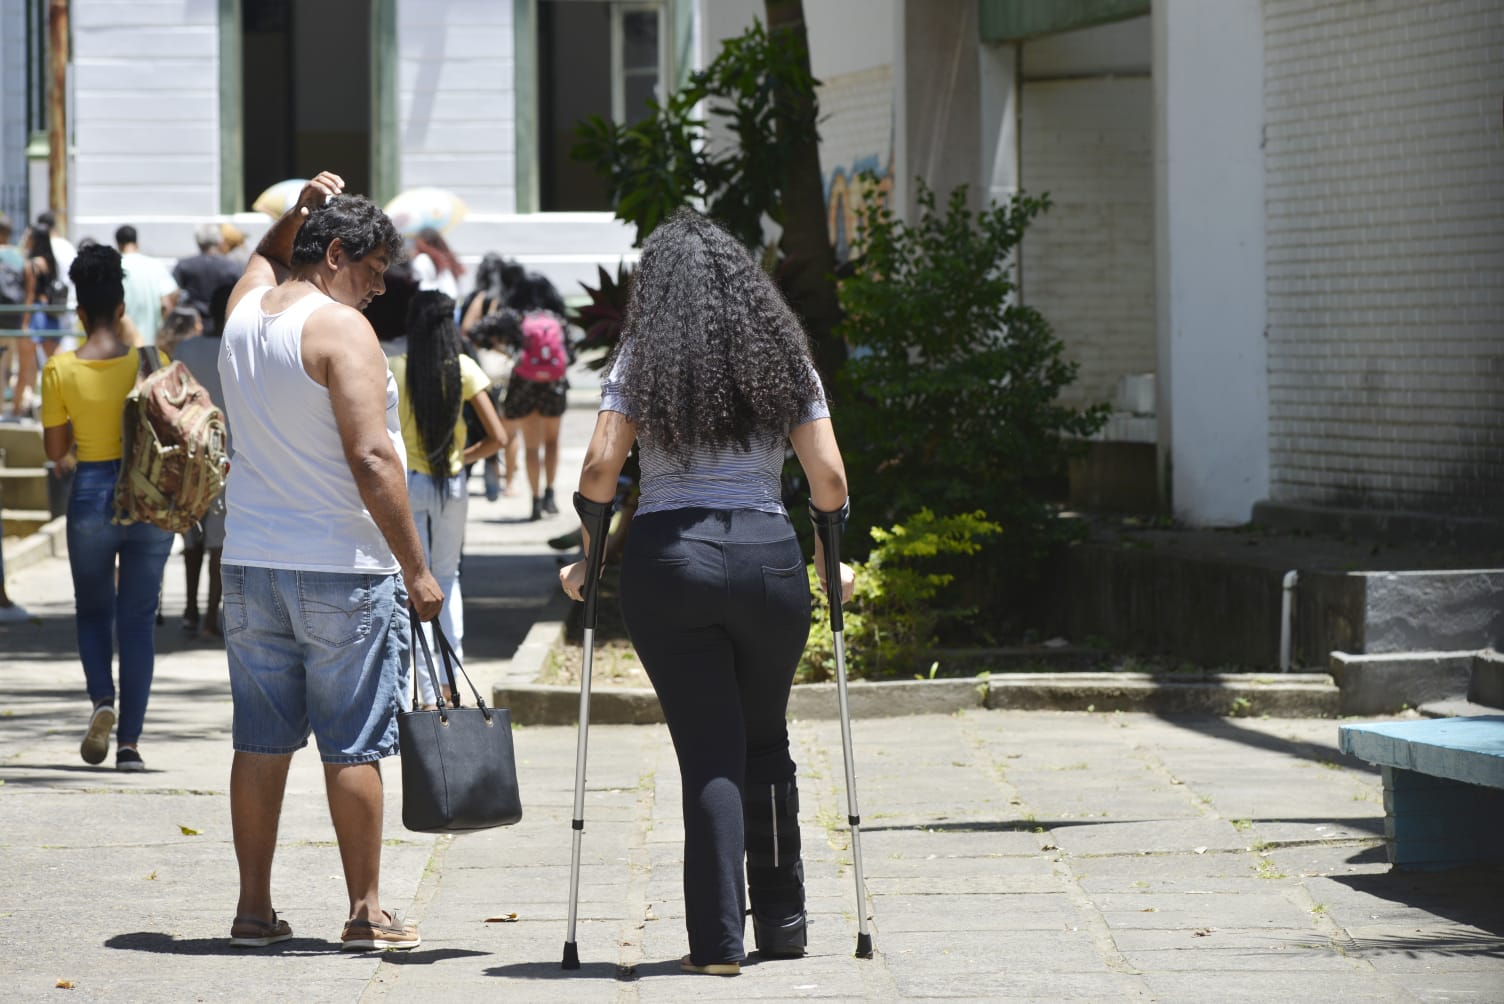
column 950, row 399
column 901, row 596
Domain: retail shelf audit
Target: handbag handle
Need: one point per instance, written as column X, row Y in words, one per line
column 451, row 663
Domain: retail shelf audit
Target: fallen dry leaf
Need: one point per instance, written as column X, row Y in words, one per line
column 188, row 831
column 65, row 984
column 510, row 918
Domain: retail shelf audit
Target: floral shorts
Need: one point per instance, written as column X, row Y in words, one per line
column 527, row 396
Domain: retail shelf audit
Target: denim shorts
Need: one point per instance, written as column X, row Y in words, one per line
column 319, row 652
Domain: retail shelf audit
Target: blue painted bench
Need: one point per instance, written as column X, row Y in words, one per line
column 1443, row 787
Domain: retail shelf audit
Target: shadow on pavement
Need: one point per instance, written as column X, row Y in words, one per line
column 1229, row 730
column 157, row 943
column 1472, row 896
column 553, row 971
column 1375, row 826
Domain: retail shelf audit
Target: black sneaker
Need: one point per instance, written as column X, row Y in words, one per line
column 549, row 506
column 127, row 759
column 537, row 510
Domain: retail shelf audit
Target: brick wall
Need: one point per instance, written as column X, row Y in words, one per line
column 1385, row 252
column 1088, row 263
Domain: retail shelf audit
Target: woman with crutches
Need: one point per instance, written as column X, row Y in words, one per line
column 712, row 379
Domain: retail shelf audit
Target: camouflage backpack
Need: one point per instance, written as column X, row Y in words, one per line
column 173, row 461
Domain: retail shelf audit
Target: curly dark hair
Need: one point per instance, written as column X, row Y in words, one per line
column 500, row 330
column 710, row 353
column 433, row 376
column 99, row 279
column 359, row 224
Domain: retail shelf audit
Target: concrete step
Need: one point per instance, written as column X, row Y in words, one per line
column 1278, row 695
column 24, row 487
column 1390, row 682
column 24, row 522
column 22, row 444
column 1486, row 684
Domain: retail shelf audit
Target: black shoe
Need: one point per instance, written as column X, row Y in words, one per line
column 549, row 506
column 775, row 871
column 127, row 759
column 537, row 510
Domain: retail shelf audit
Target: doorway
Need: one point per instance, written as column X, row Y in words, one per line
column 305, row 92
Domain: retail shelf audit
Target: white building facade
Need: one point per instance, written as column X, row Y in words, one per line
column 1277, row 241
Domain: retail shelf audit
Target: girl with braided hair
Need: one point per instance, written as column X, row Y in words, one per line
column 713, row 378
column 435, row 379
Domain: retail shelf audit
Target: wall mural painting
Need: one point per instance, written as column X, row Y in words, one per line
column 846, row 189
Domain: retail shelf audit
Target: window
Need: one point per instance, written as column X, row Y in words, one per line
column 595, row 57
column 36, row 67
column 305, row 91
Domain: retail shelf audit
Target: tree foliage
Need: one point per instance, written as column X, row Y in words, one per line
column 901, row 597
column 950, row 400
column 669, row 160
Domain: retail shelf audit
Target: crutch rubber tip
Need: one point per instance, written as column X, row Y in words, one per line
column 571, row 955
column 863, row 947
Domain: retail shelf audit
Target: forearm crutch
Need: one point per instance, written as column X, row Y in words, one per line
column 595, row 518
column 828, row 525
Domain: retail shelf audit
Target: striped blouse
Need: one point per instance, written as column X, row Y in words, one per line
column 709, row 477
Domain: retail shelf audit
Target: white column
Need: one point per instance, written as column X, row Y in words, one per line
column 998, row 65
column 1213, row 399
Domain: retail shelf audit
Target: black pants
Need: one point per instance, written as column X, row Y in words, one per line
column 718, row 607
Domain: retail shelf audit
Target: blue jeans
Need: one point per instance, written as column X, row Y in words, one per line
column 319, row 652
column 103, row 613
column 439, row 510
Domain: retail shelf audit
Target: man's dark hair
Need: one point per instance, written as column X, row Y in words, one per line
column 99, row 279
column 47, row 219
column 125, row 235
column 356, row 222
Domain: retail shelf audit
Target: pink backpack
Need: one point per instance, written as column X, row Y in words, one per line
column 543, row 358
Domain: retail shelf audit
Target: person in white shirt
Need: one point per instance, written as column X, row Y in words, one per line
column 435, row 265
column 150, row 290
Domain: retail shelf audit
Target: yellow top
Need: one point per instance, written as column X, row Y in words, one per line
column 473, row 380
column 91, row 394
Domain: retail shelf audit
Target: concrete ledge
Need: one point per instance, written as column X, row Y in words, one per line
column 1486, row 682
column 1283, row 695
column 1295, row 695
column 541, row 704
column 1391, row 682
column 51, row 541
column 545, row 704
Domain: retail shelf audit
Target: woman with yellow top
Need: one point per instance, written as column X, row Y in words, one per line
column 83, row 394
column 434, row 380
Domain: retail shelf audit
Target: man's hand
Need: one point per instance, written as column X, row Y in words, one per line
column 424, row 594
column 318, row 191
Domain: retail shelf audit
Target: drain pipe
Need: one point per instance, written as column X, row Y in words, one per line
column 1286, row 608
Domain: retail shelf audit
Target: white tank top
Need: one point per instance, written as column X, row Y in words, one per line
column 291, row 501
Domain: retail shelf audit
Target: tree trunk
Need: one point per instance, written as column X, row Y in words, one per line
column 810, row 284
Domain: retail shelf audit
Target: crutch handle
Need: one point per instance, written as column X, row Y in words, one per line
column 829, row 526
column 596, row 518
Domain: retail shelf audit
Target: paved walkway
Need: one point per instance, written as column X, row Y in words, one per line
column 1009, row 855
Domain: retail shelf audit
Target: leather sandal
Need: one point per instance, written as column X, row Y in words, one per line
column 253, row 932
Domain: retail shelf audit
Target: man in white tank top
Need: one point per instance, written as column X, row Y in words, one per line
column 322, row 557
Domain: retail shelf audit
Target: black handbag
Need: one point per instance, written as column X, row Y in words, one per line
column 459, row 771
